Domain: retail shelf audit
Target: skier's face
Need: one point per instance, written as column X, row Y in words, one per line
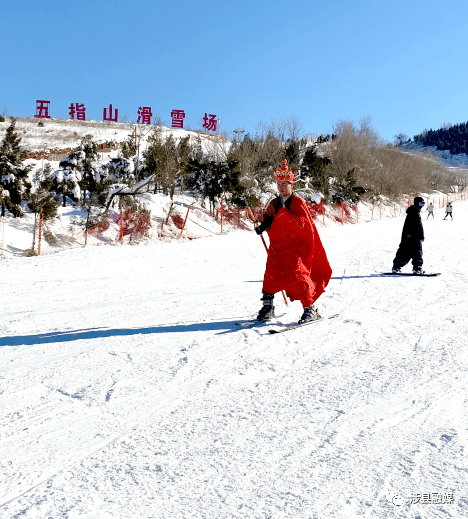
column 285, row 188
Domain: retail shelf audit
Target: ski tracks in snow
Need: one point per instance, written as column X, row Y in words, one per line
column 135, row 395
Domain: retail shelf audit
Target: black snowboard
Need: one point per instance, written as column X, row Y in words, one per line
column 425, row 275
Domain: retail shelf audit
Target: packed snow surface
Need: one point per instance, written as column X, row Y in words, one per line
column 128, row 391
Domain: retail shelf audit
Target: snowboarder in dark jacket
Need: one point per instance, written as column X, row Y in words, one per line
column 411, row 239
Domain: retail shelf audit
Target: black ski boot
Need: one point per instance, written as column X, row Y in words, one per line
column 267, row 311
column 310, row 314
column 396, row 269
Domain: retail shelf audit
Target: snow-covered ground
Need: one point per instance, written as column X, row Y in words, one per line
column 127, row 390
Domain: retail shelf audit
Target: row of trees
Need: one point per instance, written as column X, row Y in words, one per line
column 450, row 137
column 383, row 169
column 354, row 164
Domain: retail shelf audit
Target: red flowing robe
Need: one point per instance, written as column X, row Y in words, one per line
column 297, row 262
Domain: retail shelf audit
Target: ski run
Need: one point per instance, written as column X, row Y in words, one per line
column 127, row 390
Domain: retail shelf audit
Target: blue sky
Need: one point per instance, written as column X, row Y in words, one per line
column 404, row 64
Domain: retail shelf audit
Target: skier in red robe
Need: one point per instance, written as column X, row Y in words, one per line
column 297, row 262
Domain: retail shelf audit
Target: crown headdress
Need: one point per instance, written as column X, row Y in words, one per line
column 284, row 173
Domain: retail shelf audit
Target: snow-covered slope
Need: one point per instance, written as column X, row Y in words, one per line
column 62, row 134
column 127, row 390
column 459, row 160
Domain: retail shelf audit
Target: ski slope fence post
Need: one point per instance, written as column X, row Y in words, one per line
column 185, row 221
column 221, row 209
column 168, row 214
column 40, row 235
column 2, row 237
column 121, row 226
column 266, row 248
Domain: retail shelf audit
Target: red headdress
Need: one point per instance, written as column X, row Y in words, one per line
column 284, row 173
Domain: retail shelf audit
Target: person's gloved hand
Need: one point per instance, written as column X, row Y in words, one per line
column 258, row 230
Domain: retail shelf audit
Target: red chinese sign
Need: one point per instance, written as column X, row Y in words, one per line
column 110, row 118
column 144, row 115
column 178, row 117
column 209, row 122
column 42, row 109
column 78, row 109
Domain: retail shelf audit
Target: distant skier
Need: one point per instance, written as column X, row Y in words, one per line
column 411, row 239
column 297, row 262
column 430, row 211
column 448, row 210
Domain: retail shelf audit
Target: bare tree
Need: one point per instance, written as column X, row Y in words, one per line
column 274, row 128
column 437, row 176
column 379, row 167
column 158, row 120
column 4, row 113
column 460, row 177
column 293, row 127
column 400, row 139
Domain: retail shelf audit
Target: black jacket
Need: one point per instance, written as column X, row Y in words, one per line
column 412, row 228
column 277, row 204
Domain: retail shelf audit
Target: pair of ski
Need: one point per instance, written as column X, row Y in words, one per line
column 287, row 327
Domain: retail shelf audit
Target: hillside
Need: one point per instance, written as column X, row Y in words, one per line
column 449, row 138
column 50, row 140
column 447, row 159
column 54, row 138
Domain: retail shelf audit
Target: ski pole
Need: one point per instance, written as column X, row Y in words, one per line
column 266, row 248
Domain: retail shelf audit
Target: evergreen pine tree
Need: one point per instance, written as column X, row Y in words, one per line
column 346, row 190
column 14, row 181
column 168, row 160
column 293, row 154
column 94, row 183
column 314, row 172
column 42, row 199
column 66, row 180
column 89, row 182
column 129, row 148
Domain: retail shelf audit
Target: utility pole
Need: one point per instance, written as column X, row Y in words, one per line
column 238, row 131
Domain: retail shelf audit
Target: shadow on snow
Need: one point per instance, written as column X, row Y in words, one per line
column 99, row 333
